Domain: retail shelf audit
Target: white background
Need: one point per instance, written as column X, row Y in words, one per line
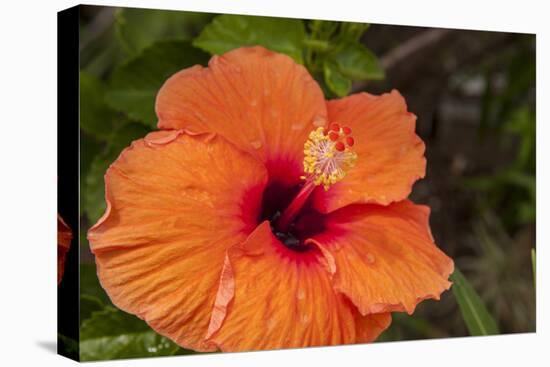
column 28, row 183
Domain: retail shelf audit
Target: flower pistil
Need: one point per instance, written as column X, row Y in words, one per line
column 328, row 155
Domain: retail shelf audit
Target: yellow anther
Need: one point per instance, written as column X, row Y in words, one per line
column 326, row 159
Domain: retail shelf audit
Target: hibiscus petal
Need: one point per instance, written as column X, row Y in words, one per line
column 64, row 237
column 390, row 156
column 385, row 257
column 176, row 203
column 261, row 101
column 285, row 299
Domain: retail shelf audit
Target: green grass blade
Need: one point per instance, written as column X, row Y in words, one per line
column 476, row 316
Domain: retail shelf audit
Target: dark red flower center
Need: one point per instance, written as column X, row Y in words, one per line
column 306, row 221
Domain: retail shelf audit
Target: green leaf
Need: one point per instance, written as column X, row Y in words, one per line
column 99, row 52
column 354, row 31
column 89, row 148
column 113, row 334
column 356, row 62
column 317, row 45
column 89, row 305
column 138, row 29
column 336, row 82
column 323, row 29
column 227, row 32
column 476, row 316
column 96, row 117
column 90, row 286
column 94, row 196
column 111, row 322
column 135, row 84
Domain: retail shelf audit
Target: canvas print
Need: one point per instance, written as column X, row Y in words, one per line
column 257, row 183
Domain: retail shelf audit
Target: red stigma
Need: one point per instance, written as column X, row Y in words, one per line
column 349, row 141
column 339, row 146
column 335, row 127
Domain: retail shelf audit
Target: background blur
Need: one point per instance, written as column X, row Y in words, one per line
column 473, row 93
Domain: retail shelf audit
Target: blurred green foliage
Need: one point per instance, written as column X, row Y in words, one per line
column 111, row 334
column 138, row 29
column 506, row 199
column 512, row 187
column 508, row 113
column 134, row 85
column 94, row 194
column 96, row 118
column 227, row 32
column 131, row 31
column 335, row 51
column 497, row 268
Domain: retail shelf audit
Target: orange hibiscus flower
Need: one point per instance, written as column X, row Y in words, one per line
column 262, row 216
column 64, row 237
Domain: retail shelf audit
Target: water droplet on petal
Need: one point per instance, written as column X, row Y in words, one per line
column 270, row 324
column 304, row 319
column 301, row 294
column 297, row 126
column 256, row 144
column 369, row 258
column 267, row 92
column 253, row 103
